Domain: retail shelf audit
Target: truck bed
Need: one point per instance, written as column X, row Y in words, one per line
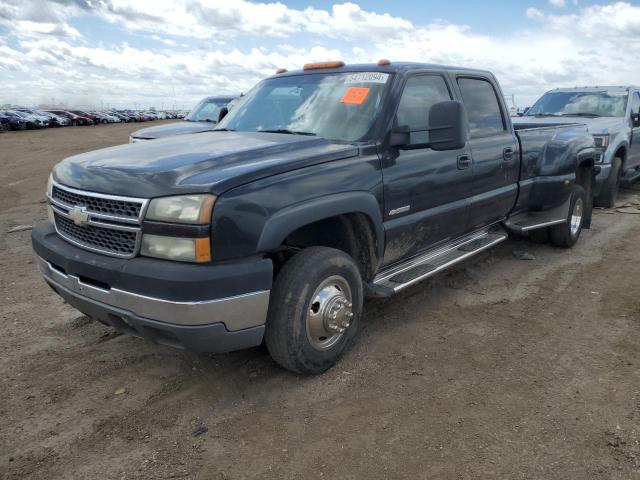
column 548, row 159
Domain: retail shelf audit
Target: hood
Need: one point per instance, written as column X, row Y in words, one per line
column 598, row 125
column 177, row 128
column 210, row 162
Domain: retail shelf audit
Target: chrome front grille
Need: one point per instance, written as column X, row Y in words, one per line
column 107, row 224
column 107, row 206
column 104, row 239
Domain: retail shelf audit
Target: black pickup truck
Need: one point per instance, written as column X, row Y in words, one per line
column 320, row 187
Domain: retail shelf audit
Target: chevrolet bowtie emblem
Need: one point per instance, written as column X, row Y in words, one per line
column 79, row 216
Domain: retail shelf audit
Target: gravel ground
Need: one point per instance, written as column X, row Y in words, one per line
column 502, row 368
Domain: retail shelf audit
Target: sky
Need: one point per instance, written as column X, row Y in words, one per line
column 169, row 54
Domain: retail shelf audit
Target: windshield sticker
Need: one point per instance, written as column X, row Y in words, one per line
column 355, row 96
column 367, row 77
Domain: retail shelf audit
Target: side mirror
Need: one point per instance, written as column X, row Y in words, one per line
column 635, row 119
column 400, row 137
column 447, row 126
column 222, row 113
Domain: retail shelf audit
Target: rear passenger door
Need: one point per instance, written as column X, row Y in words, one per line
column 633, row 159
column 495, row 152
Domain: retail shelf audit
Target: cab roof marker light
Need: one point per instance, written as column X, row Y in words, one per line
column 281, row 70
column 383, row 62
column 321, row 65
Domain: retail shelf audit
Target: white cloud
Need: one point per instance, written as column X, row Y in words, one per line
column 558, row 3
column 48, row 58
column 534, row 14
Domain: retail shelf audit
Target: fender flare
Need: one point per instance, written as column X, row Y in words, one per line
column 289, row 219
column 614, row 149
column 585, row 155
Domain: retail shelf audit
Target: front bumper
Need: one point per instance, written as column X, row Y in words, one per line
column 206, row 308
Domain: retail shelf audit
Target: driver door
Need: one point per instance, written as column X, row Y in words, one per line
column 426, row 192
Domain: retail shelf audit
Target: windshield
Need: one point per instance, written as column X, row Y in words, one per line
column 597, row 104
column 206, row 111
column 335, row 106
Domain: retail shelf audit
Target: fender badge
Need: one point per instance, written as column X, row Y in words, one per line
column 79, row 216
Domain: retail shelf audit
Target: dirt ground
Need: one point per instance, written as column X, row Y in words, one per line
column 501, row 369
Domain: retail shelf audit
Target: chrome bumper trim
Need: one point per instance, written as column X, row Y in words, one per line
column 237, row 313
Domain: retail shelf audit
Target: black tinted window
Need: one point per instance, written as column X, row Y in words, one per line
column 635, row 103
column 483, row 108
column 419, row 94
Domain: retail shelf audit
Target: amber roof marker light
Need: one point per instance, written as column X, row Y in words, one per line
column 281, row 70
column 383, row 61
column 320, row 65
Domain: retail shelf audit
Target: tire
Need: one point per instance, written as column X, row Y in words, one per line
column 609, row 193
column 312, row 286
column 540, row 235
column 567, row 234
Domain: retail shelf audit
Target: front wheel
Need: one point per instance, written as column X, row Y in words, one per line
column 566, row 234
column 314, row 310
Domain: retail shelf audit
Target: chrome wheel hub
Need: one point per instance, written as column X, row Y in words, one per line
column 330, row 313
column 576, row 217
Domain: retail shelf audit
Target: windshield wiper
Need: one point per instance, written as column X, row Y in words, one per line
column 543, row 114
column 288, row 132
column 223, row 130
column 581, row 114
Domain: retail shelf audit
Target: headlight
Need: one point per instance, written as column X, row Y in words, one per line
column 194, row 209
column 601, row 141
column 179, row 249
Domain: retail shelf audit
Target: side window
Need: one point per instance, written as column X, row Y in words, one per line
column 483, row 109
column 420, row 92
column 635, row 103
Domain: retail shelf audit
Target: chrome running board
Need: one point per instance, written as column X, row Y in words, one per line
column 527, row 221
column 401, row 276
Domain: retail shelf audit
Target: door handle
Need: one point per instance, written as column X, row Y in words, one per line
column 464, row 161
column 507, row 154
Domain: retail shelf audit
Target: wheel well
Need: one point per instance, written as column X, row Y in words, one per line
column 352, row 233
column 622, row 153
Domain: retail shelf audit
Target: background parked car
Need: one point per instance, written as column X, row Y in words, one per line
column 62, row 121
column 202, row 118
column 32, row 122
column 104, row 117
column 12, row 121
column 612, row 115
column 123, row 116
column 74, row 118
column 44, row 119
column 81, row 113
column 55, row 120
